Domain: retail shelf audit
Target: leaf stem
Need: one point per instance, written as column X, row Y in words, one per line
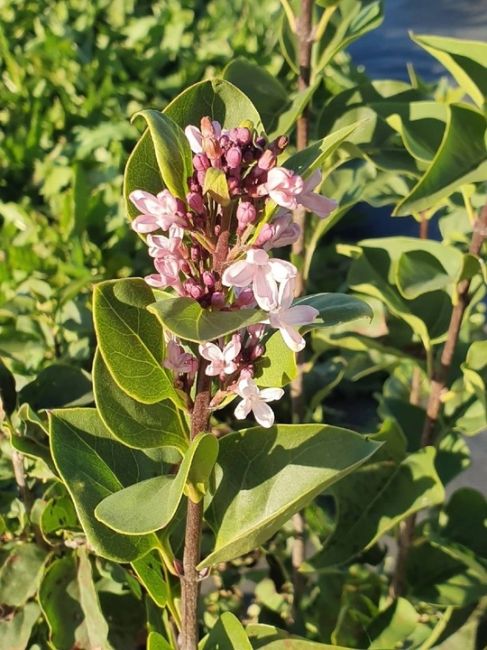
column 194, row 519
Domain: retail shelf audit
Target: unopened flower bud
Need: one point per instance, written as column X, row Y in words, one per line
column 256, row 331
column 201, row 162
column 245, row 298
column 195, row 202
column 244, row 136
column 208, row 279
column 267, row 161
column 266, row 234
column 260, row 142
column 193, row 289
column 217, row 299
column 233, row 135
column 257, row 352
column 185, row 268
column 246, row 213
column 224, row 141
column 282, row 142
column 206, row 125
column 195, row 253
column 201, row 177
column 234, row 186
column 211, row 148
column 234, row 157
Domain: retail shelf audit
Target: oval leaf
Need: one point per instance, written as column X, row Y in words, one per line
column 335, row 308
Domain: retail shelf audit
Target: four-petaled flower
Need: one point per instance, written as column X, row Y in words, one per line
column 222, row 361
column 286, row 318
column 255, row 400
column 179, row 361
column 263, row 273
column 160, row 211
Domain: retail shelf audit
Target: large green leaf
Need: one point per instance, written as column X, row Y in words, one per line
column 464, row 59
column 263, row 476
column 136, row 424
column 265, row 91
column 58, row 385
column 94, row 464
column 336, row 308
column 150, row 572
column 218, row 99
column 376, row 498
column 460, row 159
column 20, row 574
column 150, row 505
column 172, row 150
column 70, row 605
column 227, row 634
column 278, row 366
column 131, row 340
column 15, row 631
column 185, row 318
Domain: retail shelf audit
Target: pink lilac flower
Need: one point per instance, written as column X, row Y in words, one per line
column 160, row 211
column 263, row 273
column 167, row 247
column 283, row 186
column 286, row 318
column 280, row 232
column 222, row 361
column 179, row 361
column 167, row 275
column 255, row 400
column 314, row 202
column 195, row 137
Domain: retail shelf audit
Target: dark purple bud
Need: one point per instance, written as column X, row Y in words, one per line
column 217, row 299
column 248, row 156
column 267, row 160
column 245, row 298
column 178, row 567
column 195, row 202
column 185, row 268
column 260, row 142
column 224, row 141
column 201, row 162
column 208, row 279
column 234, row 157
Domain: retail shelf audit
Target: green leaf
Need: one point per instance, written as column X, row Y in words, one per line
column 157, row 642
column 8, row 394
column 335, row 308
column 268, row 637
column 305, row 161
column 94, row 464
column 264, row 476
column 278, row 366
column 172, row 150
column 227, row 634
column 460, row 159
column 150, row 505
column 20, row 574
column 375, row 499
column 15, row 632
column 131, row 340
column 136, row 424
column 351, row 20
column 216, row 186
column 464, row 59
column 70, row 605
column 149, row 570
column 58, row 385
column 185, row 318
column 393, row 625
column 265, row 91
column 419, row 272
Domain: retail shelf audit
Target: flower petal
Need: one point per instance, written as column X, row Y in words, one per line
column 299, row 315
column 292, row 338
column 210, row 352
column 263, row 413
column 271, row 394
column 318, row 204
column 232, row 349
column 265, row 288
column 243, row 409
column 282, row 270
column 145, row 223
column 238, row 274
column 194, row 138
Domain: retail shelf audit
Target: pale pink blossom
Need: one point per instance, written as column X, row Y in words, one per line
column 282, row 231
column 166, row 247
column 160, row 211
column 263, row 273
column 167, row 275
column 195, row 137
column 287, row 318
column 314, row 202
column 255, row 400
column 283, row 186
column 179, row 361
column 222, row 361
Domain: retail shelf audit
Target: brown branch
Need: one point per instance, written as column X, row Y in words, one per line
column 305, row 43
column 194, row 518
column 439, row 383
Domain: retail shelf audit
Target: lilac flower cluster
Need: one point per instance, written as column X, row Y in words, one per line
column 216, row 251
